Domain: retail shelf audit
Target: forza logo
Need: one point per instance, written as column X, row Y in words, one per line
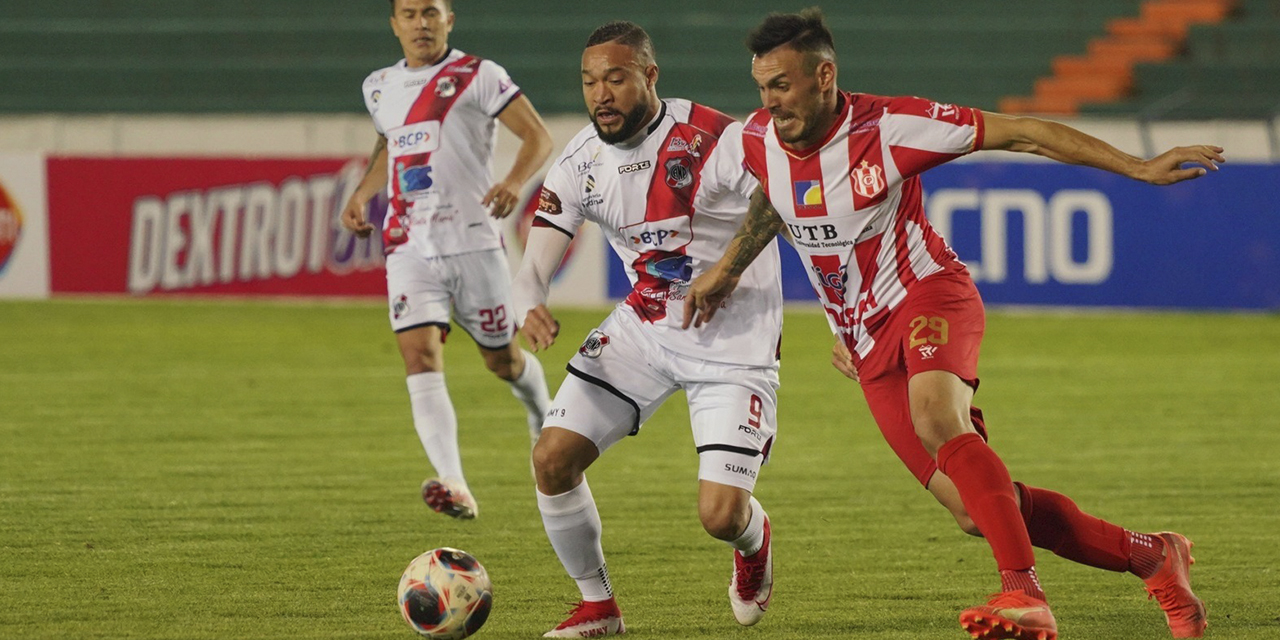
column 634, row 167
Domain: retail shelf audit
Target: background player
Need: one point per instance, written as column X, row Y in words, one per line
column 663, row 179
column 841, row 171
column 435, row 112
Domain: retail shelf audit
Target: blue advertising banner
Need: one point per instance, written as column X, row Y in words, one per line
column 1058, row 235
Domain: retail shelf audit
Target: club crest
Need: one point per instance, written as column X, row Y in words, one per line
column 446, row 87
column 679, row 173
column 868, row 179
column 594, row 344
column 400, row 307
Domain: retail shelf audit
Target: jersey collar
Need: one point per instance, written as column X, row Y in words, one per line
column 448, row 55
column 642, row 135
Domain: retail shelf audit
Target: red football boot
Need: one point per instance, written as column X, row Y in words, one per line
column 1012, row 615
column 751, row 587
column 591, row 620
column 1171, row 587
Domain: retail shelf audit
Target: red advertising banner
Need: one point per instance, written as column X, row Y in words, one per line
column 207, row 226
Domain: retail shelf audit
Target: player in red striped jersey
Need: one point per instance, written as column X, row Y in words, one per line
column 663, row 180
column 840, row 172
column 434, row 112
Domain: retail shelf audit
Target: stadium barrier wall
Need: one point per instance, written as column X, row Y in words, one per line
column 1034, row 233
column 24, row 236
column 240, row 227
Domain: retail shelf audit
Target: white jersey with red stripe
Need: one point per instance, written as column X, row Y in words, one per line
column 439, row 126
column 669, row 204
column 853, row 202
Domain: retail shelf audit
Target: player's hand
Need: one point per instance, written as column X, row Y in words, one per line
column 842, row 360
column 705, row 295
column 1166, row 168
column 501, row 199
column 353, row 219
column 540, row 328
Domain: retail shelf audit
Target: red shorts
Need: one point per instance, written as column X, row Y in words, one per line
column 937, row 328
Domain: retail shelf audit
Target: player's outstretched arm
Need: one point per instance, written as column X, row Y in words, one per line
column 375, row 179
column 709, row 290
column 1065, row 144
column 543, row 253
column 535, row 147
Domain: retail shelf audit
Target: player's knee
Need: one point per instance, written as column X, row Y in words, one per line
column 501, row 364
column 935, row 425
column 722, row 520
column 420, row 361
column 553, row 469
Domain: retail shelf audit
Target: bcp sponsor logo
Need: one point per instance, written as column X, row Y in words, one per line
column 10, row 227
column 247, row 232
column 422, row 137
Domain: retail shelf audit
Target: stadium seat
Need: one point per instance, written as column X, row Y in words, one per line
column 229, row 56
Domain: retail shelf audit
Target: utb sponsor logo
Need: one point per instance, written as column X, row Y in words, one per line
column 10, row 227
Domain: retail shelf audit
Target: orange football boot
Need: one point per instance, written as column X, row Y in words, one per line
column 1012, row 615
column 1171, row 587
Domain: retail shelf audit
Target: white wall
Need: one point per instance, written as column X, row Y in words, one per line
column 353, row 135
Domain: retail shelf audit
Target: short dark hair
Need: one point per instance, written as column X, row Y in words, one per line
column 448, row 6
column 805, row 32
column 625, row 33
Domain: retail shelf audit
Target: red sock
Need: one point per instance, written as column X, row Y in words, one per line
column 1025, row 581
column 987, row 492
column 1147, row 554
column 1054, row 522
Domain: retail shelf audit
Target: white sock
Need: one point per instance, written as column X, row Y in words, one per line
column 752, row 537
column 436, row 423
column 573, row 526
column 531, row 389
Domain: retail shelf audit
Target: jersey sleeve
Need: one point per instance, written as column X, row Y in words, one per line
column 558, row 204
column 922, row 134
column 753, row 132
column 372, row 90
column 494, row 88
column 726, row 171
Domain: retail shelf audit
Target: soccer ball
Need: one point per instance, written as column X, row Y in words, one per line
column 445, row 594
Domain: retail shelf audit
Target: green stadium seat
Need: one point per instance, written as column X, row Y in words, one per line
column 227, row 56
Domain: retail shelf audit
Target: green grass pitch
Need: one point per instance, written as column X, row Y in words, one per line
column 176, row 469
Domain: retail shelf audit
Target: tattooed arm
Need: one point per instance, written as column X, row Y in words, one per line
column 709, row 290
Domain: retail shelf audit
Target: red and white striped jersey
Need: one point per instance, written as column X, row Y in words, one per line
column 669, row 204
column 439, row 125
column 853, row 201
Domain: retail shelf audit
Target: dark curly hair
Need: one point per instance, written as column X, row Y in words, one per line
column 805, row 32
column 625, row 33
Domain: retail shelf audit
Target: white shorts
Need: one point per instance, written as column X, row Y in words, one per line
column 476, row 286
column 620, row 377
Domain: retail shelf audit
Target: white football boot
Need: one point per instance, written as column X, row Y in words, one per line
column 451, row 497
